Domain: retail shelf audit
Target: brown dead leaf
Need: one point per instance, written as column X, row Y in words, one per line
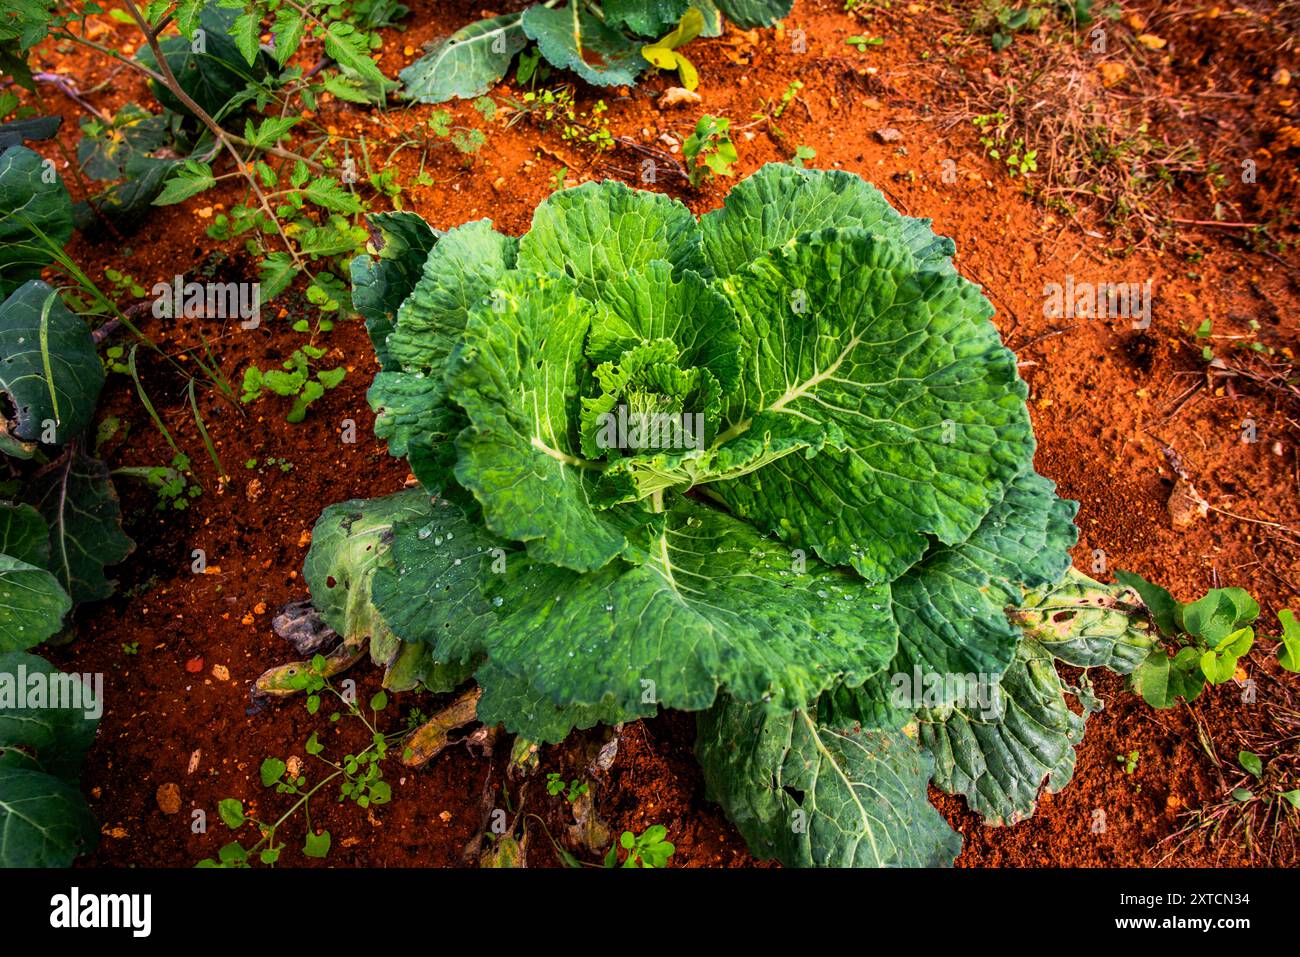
column 1186, row 506
column 677, row 96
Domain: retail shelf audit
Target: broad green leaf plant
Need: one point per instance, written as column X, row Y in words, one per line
column 44, row 820
column 610, row 43
column 59, row 515
column 773, row 466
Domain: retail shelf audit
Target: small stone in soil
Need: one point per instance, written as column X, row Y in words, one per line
column 888, row 135
column 168, row 797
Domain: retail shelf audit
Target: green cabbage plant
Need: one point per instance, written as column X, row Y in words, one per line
column 605, row 42
column 773, row 466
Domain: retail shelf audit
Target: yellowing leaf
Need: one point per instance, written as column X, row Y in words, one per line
column 686, row 70
column 661, row 57
column 661, row 52
column 687, row 29
column 1151, row 41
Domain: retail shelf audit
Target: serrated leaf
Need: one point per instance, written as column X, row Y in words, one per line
column 189, row 180
column 290, row 25
column 355, row 88
column 216, row 75
column 329, row 193
column 245, row 31
column 79, row 502
column 51, row 372
column 187, row 15
column 468, row 63
column 276, row 274
column 26, row 22
column 811, row 795
column 269, row 131
column 348, row 45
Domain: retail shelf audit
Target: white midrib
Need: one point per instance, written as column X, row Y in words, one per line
column 565, row 458
column 792, row 394
column 848, row 783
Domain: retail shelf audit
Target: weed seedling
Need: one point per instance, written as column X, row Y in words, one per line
column 709, row 150
column 649, row 849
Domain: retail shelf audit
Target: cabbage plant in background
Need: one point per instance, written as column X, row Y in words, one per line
column 609, row 43
column 772, row 466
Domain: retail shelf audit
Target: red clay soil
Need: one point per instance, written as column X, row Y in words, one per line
column 1105, row 400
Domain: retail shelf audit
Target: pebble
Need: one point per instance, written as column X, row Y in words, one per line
column 168, row 797
column 888, row 135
